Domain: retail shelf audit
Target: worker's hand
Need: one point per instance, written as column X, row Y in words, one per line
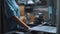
column 28, row 29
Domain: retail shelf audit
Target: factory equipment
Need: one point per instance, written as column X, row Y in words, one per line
column 50, row 22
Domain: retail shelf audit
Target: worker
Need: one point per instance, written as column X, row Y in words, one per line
column 12, row 15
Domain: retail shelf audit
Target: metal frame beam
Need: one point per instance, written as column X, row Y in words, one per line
column 58, row 16
column 54, row 12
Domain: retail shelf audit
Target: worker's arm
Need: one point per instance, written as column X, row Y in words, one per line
column 19, row 21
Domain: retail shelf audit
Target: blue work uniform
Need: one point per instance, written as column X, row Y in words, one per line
column 11, row 9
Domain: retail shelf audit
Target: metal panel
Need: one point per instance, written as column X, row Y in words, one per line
column 0, row 17
column 58, row 16
column 48, row 29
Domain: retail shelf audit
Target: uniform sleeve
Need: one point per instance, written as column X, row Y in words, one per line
column 9, row 9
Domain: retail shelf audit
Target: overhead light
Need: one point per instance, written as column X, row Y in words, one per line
column 30, row 2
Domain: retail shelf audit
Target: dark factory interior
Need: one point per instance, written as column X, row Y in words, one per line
column 30, row 17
